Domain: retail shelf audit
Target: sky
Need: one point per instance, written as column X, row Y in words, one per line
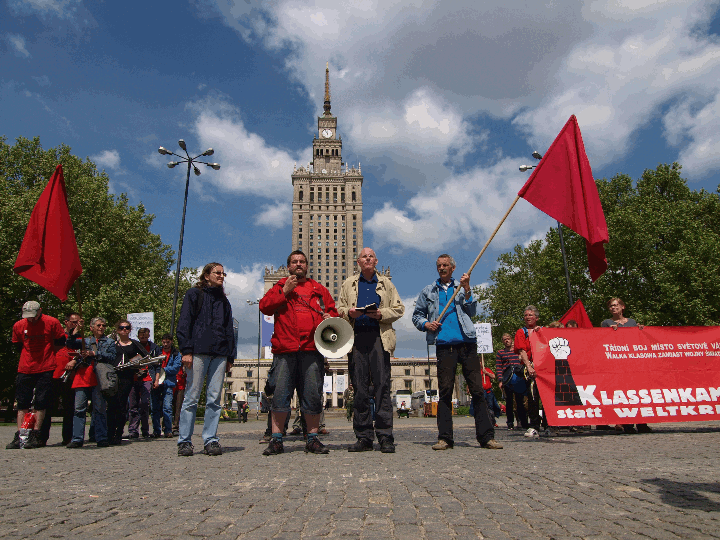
column 440, row 102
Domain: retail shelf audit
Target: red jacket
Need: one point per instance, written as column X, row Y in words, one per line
column 285, row 337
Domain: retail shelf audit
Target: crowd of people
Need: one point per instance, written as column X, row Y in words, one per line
column 163, row 390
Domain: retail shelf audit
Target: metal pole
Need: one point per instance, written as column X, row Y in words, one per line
column 257, row 413
column 567, row 274
column 180, row 244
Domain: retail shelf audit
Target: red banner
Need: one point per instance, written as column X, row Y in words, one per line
column 628, row 375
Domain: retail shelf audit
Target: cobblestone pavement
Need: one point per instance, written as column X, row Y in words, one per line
column 596, row 486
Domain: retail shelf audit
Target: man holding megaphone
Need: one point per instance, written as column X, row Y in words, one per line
column 371, row 303
column 299, row 305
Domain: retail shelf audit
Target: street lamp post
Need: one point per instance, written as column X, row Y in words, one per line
column 537, row 155
column 255, row 303
column 191, row 165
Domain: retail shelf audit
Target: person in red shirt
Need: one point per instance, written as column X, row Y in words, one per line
column 522, row 348
column 36, row 337
column 297, row 365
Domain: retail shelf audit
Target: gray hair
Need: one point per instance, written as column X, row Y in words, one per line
column 96, row 319
column 533, row 309
column 446, row 256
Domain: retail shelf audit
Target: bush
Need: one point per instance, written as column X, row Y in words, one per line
column 463, row 411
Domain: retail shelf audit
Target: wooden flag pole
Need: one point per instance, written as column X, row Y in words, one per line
column 480, row 255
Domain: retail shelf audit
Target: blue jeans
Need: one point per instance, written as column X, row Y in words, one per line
column 212, row 367
column 82, row 395
column 302, row 371
column 162, row 398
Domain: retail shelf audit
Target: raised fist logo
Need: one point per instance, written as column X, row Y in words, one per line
column 560, row 348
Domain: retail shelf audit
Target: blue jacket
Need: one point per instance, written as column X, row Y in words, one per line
column 211, row 330
column 173, row 366
column 427, row 310
column 106, row 347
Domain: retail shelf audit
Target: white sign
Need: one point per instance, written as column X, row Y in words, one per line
column 483, row 332
column 340, row 383
column 327, row 384
column 268, row 353
column 142, row 320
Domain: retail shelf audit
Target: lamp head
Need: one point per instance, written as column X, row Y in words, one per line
column 172, row 164
column 537, row 155
column 163, row 151
column 215, row 166
column 182, row 144
column 524, row 168
column 197, row 171
column 208, row 152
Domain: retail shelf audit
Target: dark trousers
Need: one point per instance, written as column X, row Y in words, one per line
column 448, row 357
column 139, row 407
column 510, row 398
column 117, row 408
column 371, row 365
column 534, row 405
column 63, row 393
column 178, row 396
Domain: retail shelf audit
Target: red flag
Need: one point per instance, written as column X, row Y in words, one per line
column 578, row 314
column 562, row 186
column 49, row 254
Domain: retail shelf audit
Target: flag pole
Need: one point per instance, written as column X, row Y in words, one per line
column 517, row 198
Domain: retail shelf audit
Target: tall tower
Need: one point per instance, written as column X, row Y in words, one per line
column 327, row 206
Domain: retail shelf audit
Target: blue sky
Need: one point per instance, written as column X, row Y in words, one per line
column 440, row 102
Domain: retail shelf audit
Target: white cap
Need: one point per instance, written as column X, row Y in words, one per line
column 30, row 309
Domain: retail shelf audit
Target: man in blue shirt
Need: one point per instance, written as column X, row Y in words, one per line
column 455, row 341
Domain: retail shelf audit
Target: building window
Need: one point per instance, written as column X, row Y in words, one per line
column 427, row 372
column 427, row 385
column 408, row 384
column 407, row 373
column 353, row 196
column 300, row 195
column 249, row 374
column 300, row 235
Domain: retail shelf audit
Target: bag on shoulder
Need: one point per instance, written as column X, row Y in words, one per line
column 106, row 376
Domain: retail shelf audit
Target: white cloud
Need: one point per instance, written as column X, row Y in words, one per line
column 465, row 208
column 274, row 216
column 62, row 9
column 107, row 159
column 42, row 80
column 17, row 42
column 249, row 164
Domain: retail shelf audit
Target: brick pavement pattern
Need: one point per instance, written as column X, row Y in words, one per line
column 597, row 485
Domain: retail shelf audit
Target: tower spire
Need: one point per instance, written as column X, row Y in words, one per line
column 327, row 89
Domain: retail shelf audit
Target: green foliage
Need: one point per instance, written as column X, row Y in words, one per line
column 663, row 260
column 126, row 268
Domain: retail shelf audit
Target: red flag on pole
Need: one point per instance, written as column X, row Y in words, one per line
column 49, row 254
column 578, row 314
column 562, row 186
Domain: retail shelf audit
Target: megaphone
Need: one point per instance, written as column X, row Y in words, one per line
column 334, row 337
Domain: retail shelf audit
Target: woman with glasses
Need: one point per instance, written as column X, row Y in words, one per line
column 207, row 343
column 117, row 406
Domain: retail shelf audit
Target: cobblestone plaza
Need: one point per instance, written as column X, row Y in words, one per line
column 596, row 486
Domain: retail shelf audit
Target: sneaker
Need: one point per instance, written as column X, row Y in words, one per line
column 323, row 431
column 361, row 445
column 296, row 431
column 74, row 444
column 510, row 428
column 492, row 444
column 275, row 447
column 33, row 439
column 314, row 446
column 213, row 449
column 644, row 428
column 156, row 435
column 185, row 449
column 627, row 428
column 168, row 435
column 551, row 432
column 387, row 446
column 442, row 444
column 175, row 433
column 15, row 444
column 532, row 433
column 134, row 436
column 265, row 439
column 102, row 444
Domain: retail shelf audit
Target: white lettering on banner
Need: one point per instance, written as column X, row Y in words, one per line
column 671, row 395
column 686, row 395
column 687, row 409
column 644, row 397
column 656, row 396
column 705, row 409
column 626, row 413
column 604, row 398
column 616, row 348
column 662, row 346
column 715, row 345
column 661, row 411
column 714, row 393
column 589, row 413
column 646, row 411
column 702, row 395
column 619, row 397
column 688, row 346
column 586, row 395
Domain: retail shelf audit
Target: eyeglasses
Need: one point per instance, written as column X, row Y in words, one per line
column 101, row 324
column 123, row 328
column 223, row 274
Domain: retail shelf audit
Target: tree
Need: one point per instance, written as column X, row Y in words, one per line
column 126, row 268
column 663, row 259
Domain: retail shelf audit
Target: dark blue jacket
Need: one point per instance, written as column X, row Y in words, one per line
column 211, row 330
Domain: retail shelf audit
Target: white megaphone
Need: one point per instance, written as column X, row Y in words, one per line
column 334, row 337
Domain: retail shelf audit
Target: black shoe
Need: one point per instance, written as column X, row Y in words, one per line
column 275, row 447
column 361, row 445
column 156, row 435
column 387, row 446
column 103, row 444
column 134, row 436
column 266, row 438
column 175, row 433
column 296, row 431
column 213, row 449
column 34, row 440
column 115, row 441
column 65, row 442
column 314, row 446
column 15, row 444
column 91, row 439
column 168, row 435
column 185, row 449
column 74, row 444
column 644, row 428
column 628, row 428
